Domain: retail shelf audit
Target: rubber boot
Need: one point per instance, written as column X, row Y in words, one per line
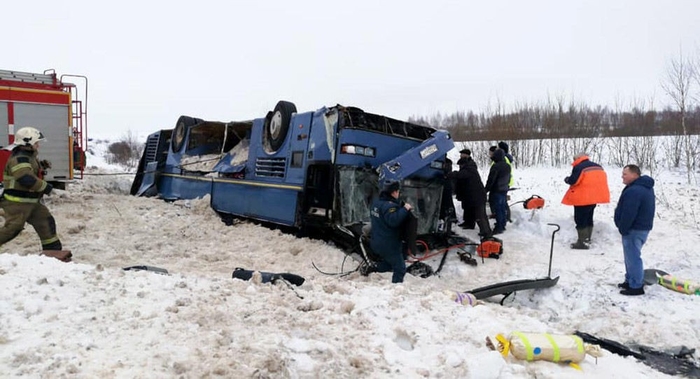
column 61, row 255
column 580, row 244
column 588, row 232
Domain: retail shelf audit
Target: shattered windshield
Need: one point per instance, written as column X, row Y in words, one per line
column 358, row 188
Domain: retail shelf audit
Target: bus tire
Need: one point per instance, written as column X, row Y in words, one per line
column 180, row 130
column 277, row 124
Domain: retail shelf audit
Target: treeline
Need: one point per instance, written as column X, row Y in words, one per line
column 557, row 120
column 649, row 152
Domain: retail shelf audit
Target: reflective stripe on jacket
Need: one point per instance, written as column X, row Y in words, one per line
column 21, row 177
column 588, row 184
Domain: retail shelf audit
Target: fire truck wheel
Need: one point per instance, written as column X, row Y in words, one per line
column 277, row 124
column 180, row 131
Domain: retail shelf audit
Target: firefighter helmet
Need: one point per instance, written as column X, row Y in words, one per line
column 28, row 136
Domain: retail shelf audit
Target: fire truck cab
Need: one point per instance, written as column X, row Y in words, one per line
column 55, row 107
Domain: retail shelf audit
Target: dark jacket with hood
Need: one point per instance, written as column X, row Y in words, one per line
column 504, row 146
column 469, row 188
column 636, row 207
column 499, row 175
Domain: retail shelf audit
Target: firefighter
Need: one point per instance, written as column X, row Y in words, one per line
column 388, row 214
column 24, row 189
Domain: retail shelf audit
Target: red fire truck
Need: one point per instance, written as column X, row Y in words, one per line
column 55, row 107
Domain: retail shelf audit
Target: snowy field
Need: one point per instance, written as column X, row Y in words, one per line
column 91, row 319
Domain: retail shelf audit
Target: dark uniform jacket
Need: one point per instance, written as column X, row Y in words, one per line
column 387, row 215
column 499, row 175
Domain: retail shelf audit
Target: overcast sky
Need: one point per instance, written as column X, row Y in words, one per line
column 233, row 60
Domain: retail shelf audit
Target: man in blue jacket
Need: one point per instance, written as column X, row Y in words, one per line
column 387, row 215
column 634, row 218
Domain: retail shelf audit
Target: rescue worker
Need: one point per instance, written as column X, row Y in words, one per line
column 387, row 216
column 588, row 186
column 24, row 189
column 497, row 188
column 510, row 160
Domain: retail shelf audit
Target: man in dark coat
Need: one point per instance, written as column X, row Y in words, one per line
column 634, row 218
column 387, row 216
column 471, row 193
column 497, row 188
column 462, row 187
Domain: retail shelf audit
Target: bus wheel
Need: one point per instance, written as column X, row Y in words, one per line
column 277, row 124
column 180, row 130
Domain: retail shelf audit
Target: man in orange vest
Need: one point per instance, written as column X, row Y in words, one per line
column 588, row 186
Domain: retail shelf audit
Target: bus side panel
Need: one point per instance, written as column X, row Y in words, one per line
column 322, row 135
column 386, row 147
column 297, row 157
column 174, row 187
column 267, row 203
column 256, row 147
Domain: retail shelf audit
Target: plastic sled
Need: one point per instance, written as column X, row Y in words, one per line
column 650, row 276
column 508, row 288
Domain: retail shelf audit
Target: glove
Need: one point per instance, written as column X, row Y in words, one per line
column 45, row 164
column 48, row 189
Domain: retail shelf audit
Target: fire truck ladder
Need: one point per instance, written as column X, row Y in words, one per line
column 79, row 121
column 28, row 77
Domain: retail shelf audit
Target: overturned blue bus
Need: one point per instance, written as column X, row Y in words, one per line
column 316, row 170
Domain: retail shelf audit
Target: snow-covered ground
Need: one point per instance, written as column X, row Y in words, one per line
column 91, row 319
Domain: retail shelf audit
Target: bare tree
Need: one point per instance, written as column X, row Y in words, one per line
column 678, row 86
column 126, row 151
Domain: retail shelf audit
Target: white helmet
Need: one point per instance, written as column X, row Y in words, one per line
column 28, row 136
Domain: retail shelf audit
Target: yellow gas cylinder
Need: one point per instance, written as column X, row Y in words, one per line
column 545, row 346
column 679, row 285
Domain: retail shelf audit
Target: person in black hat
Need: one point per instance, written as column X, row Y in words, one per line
column 470, row 191
column 387, row 216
